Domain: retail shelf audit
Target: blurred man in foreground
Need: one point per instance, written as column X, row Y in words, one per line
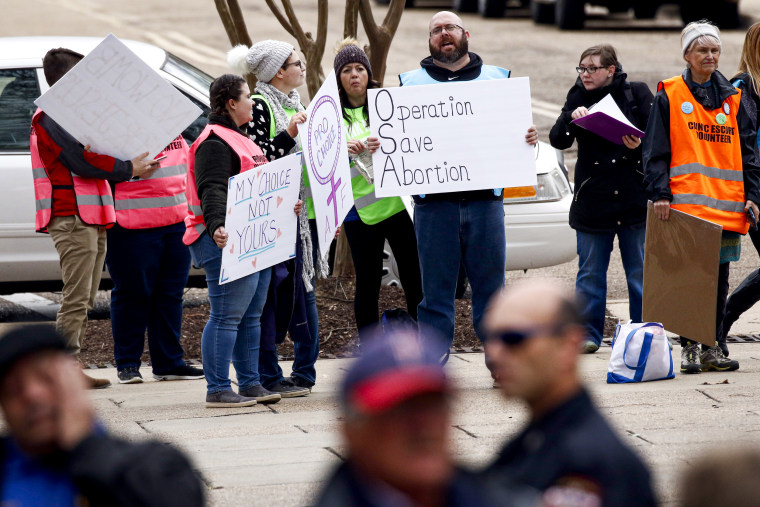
column 396, row 427
column 534, row 332
column 56, row 453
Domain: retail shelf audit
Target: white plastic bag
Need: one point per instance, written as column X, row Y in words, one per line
column 640, row 352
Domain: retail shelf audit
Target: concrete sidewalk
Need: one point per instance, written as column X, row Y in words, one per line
column 277, row 454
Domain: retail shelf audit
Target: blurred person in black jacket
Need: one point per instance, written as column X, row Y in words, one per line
column 56, row 453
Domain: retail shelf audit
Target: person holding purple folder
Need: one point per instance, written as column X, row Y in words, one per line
column 610, row 198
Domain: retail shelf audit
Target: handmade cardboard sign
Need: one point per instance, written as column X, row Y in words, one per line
column 323, row 139
column 681, row 260
column 452, row 137
column 117, row 104
column 260, row 222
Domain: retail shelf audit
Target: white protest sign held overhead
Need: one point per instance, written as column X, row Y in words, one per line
column 117, row 104
column 323, row 139
column 452, row 137
column 260, row 223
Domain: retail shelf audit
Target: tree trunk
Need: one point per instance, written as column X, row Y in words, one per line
column 234, row 24
column 344, row 265
column 380, row 37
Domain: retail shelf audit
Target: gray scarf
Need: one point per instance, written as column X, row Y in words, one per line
column 278, row 102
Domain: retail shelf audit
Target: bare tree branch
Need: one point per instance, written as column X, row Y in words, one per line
column 351, row 19
column 298, row 31
column 226, row 16
column 239, row 22
column 277, row 14
column 380, row 37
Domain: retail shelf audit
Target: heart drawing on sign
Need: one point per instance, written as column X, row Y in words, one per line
column 253, row 262
column 259, row 173
column 230, row 212
column 232, row 249
column 279, row 233
column 279, row 200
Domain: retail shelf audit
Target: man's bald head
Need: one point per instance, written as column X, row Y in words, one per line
column 444, row 18
column 534, row 332
column 533, row 302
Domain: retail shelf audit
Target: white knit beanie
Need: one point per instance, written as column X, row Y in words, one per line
column 264, row 58
column 694, row 31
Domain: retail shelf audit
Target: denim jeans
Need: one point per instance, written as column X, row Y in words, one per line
column 233, row 330
column 591, row 283
column 450, row 232
column 149, row 270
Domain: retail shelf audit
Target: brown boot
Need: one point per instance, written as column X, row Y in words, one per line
column 96, row 383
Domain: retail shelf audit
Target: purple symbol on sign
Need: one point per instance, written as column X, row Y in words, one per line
column 324, row 144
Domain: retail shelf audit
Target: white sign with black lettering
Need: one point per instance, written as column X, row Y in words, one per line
column 117, row 104
column 452, row 137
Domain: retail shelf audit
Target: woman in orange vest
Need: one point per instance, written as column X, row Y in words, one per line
column 233, row 331
column 699, row 158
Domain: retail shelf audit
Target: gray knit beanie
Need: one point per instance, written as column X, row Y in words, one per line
column 264, row 58
column 351, row 53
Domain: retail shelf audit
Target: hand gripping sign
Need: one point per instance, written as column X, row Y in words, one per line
column 323, row 139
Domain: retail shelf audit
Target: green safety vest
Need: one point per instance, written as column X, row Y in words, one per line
column 370, row 208
column 308, row 199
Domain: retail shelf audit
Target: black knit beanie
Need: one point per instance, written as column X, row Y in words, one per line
column 351, row 53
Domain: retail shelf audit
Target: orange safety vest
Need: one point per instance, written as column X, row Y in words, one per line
column 250, row 156
column 706, row 177
column 93, row 196
column 159, row 200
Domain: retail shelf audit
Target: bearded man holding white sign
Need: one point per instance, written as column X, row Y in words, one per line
column 456, row 228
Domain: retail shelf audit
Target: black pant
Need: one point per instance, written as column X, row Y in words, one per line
column 367, row 242
column 745, row 295
column 720, row 308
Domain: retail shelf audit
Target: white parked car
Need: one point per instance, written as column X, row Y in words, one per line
column 28, row 260
column 537, row 228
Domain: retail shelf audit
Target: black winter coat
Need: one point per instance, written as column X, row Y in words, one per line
column 609, row 189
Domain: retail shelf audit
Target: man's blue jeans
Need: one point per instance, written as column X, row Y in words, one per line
column 233, row 330
column 450, row 232
column 149, row 270
column 591, row 283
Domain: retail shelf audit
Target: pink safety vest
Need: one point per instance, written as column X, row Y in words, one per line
column 159, row 200
column 250, row 156
column 93, row 196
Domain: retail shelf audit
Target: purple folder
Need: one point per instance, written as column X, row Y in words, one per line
column 608, row 127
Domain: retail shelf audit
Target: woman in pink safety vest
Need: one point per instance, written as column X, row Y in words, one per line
column 149, row 264
column 233, row 331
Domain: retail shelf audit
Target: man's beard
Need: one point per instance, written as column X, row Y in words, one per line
column 462, row 48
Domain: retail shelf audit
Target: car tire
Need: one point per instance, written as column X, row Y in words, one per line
column 492, row 8
column 645, row 9
column 466, row 5
column 570, row 14
column 542, row 13
column 723, row 13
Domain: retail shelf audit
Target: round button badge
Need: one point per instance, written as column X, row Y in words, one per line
column 726, row 108
column 721, row 118
column 687, row 107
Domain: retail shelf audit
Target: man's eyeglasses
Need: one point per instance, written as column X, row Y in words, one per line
column 301, row 65
column 515, row 337
column 588, row 70
column 449, row 29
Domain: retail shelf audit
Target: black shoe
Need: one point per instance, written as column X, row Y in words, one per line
column 690, row 358
column 713, row 359
column 184, row 372
column 298, row 382
column 287, row 389
column 260, row 394
column 130, row 375
column 228, row 399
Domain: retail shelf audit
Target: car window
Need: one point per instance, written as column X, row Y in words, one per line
column 194, row 129
column 18, row 90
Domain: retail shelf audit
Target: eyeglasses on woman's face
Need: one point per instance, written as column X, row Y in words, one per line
column 301, row 65
column 588, row 70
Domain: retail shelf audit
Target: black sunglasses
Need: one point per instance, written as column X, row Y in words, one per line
column 515, row 337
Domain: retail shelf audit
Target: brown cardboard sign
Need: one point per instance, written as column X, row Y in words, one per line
column 681, row 257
